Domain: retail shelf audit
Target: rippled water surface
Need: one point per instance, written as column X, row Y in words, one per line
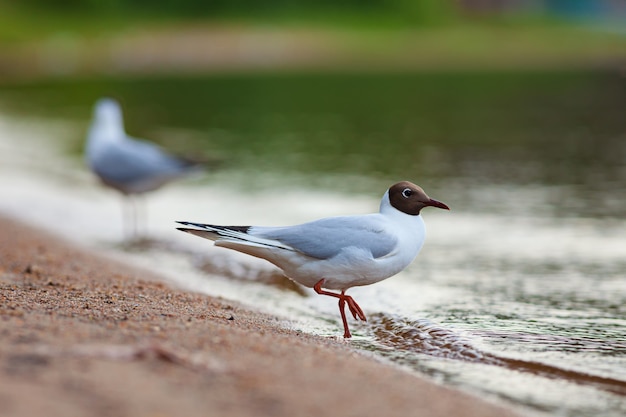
column 519, row 293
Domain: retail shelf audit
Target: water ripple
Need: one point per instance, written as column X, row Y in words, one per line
column 423, row 336
column 427, row 338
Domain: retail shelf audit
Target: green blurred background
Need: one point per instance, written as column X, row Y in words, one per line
column 467, row 92
column 79, row 36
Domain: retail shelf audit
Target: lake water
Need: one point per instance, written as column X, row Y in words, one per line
column 519, row 294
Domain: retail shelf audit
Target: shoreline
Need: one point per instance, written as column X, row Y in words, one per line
column 86, row 335
column 209, row 48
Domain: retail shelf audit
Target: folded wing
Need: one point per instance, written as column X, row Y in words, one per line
column 321, row 239
column 325, row 238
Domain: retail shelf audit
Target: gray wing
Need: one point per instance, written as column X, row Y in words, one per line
column 135, row 160
column 325, row 238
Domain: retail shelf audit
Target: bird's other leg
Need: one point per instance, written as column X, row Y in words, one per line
column 141, row 217
column 343, row 299
column 126, row 217
column 355, row 309
column 135, row 212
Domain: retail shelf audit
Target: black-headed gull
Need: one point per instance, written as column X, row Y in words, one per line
column 337, row 253
column 129, row 165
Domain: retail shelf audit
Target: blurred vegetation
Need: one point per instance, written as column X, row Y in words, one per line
column 419, row 10
column 32, row 19
column 76, row 31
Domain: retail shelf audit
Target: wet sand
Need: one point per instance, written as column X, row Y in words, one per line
column 84, row 335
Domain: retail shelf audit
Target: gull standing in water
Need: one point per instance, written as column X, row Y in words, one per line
column 337, row 253
column 131, row 166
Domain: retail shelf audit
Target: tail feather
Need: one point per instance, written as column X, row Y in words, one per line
column 202, row 233
column 237, row 234
column 213, row 232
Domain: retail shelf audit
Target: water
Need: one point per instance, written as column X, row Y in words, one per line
column 519, row 293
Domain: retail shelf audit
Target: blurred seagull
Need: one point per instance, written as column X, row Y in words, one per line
column 131, row 166
column 337, row 253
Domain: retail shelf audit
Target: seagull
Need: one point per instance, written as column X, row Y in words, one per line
column 129, row 165
column 337, row 253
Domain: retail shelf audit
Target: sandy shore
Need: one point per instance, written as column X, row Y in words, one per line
column 82, row 335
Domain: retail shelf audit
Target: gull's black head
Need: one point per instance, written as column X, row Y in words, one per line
column 410, row 198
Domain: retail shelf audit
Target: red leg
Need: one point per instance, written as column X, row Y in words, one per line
column 343, row 299
column 355, row 309
column 342, row 310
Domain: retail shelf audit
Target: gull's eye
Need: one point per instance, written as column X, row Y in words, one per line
column 406, row 193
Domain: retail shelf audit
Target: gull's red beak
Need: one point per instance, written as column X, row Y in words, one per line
column 439, row 204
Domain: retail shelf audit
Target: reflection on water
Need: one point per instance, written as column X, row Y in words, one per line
column 565, row 130
column 519, row 291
